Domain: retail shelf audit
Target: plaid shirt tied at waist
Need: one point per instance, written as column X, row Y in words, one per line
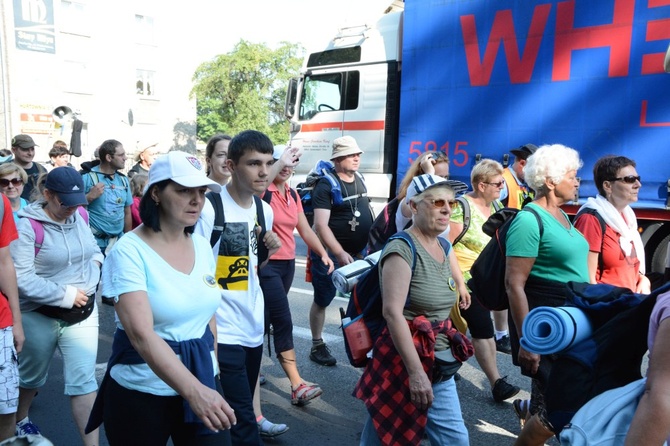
column 384, row 385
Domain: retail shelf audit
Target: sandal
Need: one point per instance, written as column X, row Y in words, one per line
column 304, row 393
column 521, row 409
column 269, row 429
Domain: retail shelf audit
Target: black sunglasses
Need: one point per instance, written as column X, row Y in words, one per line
column 15, row 182
column 628, row 179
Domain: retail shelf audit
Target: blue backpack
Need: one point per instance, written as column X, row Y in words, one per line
column 363, row 322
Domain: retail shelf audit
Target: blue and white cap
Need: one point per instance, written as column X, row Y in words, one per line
column 422, row 183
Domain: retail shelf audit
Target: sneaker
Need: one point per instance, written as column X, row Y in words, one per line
column 27, row 427
column 304, row 393
column 521, row 410
column 503, row 390
column 503, row 345
column 321, row 355
column 269, row 429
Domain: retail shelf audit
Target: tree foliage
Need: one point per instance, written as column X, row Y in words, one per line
column 245, row 89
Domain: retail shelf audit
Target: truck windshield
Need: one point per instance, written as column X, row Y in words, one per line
column 329, row 92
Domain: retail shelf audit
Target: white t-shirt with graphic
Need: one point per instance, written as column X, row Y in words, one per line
column 240, row 316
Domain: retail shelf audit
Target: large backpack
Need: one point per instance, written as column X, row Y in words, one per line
column 325, row 170
column 363, row 321
column 383, row 227
column 220, row 220
column 488, row 270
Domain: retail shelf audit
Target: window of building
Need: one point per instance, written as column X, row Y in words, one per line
column 74, row 17
column 145, row 84
column 144, row 29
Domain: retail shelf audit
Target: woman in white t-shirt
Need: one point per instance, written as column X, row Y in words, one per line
column 162, row 379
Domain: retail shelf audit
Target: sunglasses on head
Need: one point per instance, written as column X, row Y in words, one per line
column 628, row 179
column 14, row 181
column 441, row 202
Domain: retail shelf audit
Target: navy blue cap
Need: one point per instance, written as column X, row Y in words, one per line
column 66, row 182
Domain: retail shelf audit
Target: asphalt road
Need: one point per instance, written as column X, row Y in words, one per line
column 334, row 419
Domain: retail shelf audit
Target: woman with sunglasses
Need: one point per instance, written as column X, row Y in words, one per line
column 57, row 279
column 616, row 257
column 407, row 386
column 540, row 262
column 487, row 182
column 12, row 179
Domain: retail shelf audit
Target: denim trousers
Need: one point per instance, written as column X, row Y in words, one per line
column 445, row 420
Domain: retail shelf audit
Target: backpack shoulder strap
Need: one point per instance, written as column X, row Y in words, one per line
column 603, row 228
column 466, row 218
column 38, row 229
column 94, row 176
column 219, row 216
column 84, row 213
column 260, row 220
column 294, row 194
column 267, row 196
column 497, row 205
column 408, row 239
column 537, row 216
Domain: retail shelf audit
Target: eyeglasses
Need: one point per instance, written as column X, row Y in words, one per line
column 628, row 179
column 14, row 181
column 499, row 184
column 441, row 202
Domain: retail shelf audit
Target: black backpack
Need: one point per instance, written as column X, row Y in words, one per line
column 220, row 221
column 365, row 304
column 383, row 227
column 488, row 270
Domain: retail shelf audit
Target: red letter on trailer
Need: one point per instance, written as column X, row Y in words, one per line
column 520, row 68
column 616, row 35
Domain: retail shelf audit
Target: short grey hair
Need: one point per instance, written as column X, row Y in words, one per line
column 551, row 161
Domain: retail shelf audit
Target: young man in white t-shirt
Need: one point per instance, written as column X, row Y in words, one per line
column 240, row 317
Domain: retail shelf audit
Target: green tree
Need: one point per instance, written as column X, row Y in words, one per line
column 245, row 89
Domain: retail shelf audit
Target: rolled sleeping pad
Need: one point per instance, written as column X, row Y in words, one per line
column 549, row 330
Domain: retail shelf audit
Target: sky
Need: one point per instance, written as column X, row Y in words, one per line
column 222, row 23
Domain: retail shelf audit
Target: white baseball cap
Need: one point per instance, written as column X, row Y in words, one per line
column 422, row 183
column 182, row 168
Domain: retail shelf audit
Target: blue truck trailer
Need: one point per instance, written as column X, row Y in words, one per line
column 475, row 78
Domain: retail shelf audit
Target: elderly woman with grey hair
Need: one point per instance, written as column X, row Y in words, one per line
column 544, row 253
column 408, row 386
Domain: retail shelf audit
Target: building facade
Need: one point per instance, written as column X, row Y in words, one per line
column 118, row 66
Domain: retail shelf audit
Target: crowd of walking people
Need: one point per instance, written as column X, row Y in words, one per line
column 197, row 259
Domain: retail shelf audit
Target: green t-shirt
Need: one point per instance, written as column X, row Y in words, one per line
column 432, row 288
column 562, row 253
